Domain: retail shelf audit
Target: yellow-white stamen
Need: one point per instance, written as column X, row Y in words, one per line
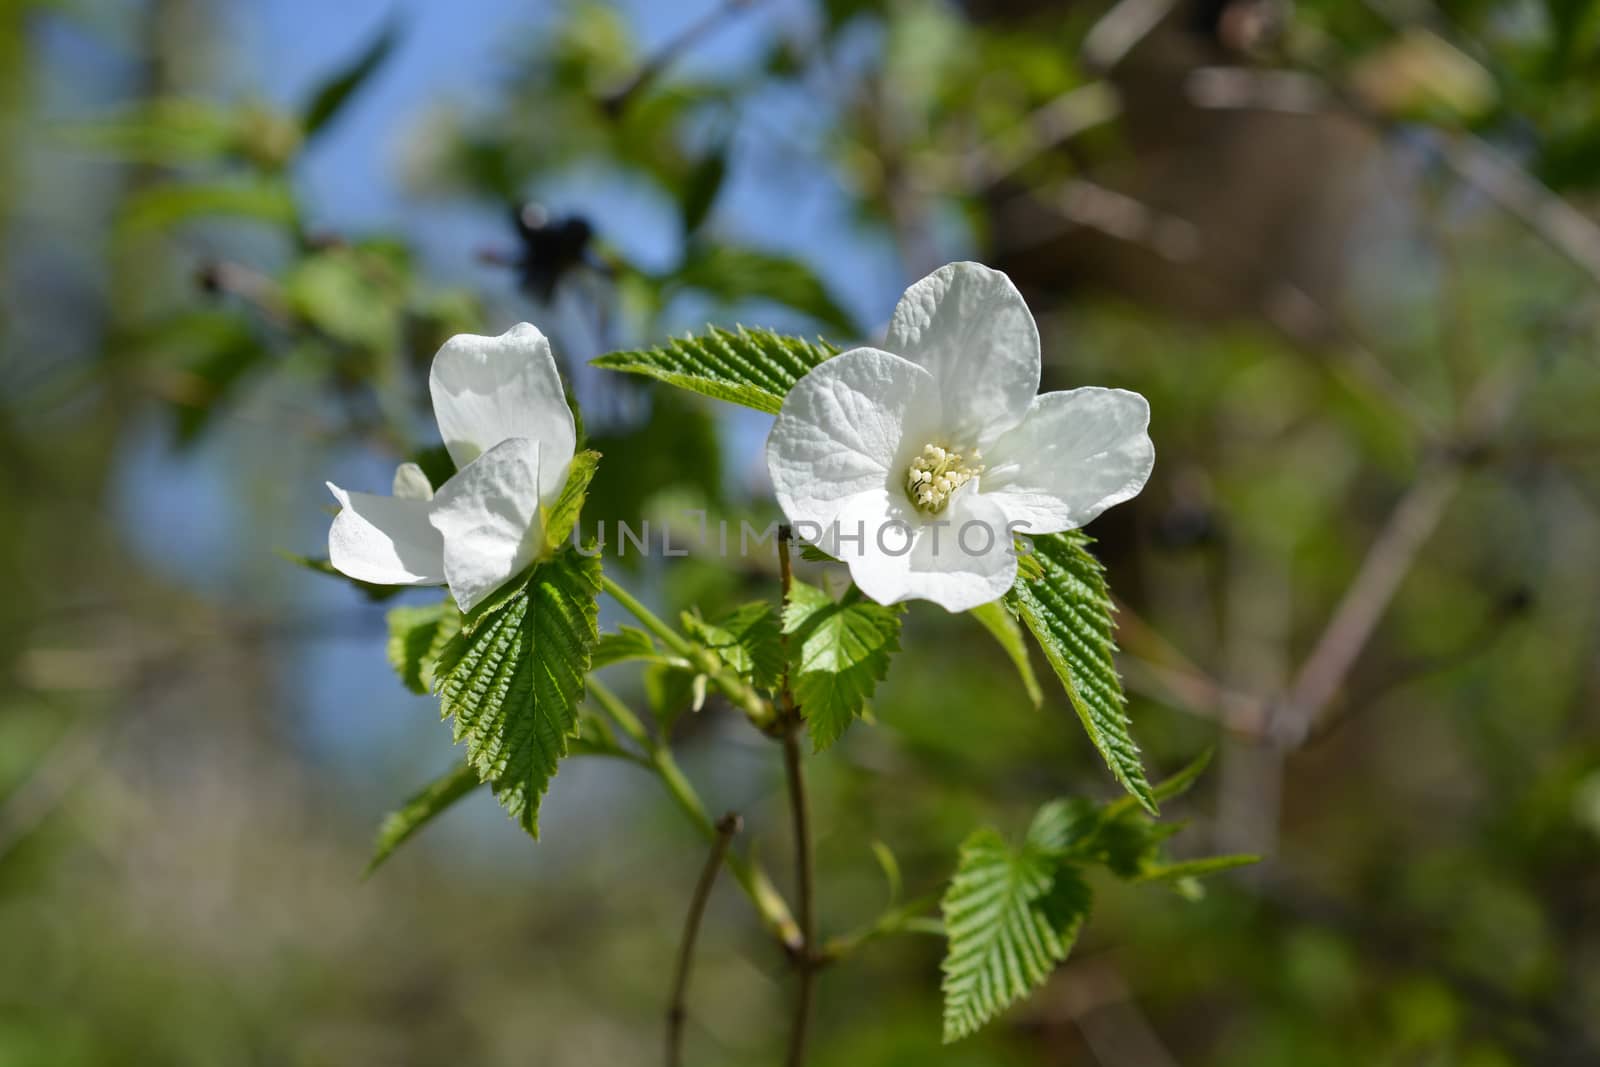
column 938, row 472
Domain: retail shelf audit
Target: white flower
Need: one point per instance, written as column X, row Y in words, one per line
column 506, row 424
column 915, row 462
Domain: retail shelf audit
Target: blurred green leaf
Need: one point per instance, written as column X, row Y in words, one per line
column 627, row 643
column 199, row 357
column 331, row 96
column 1069, row 611
column 839, row 652
column 753, row 367
column 159, row 207
column 732, row 274
column 419, row 810
column 513, row 683
column 165, row 132
column 701, row 188
column 352, row 294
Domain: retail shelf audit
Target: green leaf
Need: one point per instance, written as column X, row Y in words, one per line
column 701, row 187
column 753, row 367
column 732, row 275
column 167, row 131
column 160, row 207
column 670, row 691
column 1011, row 915
column 627, row 643
column 1002, row 625
column 1168, row 788
column 351, row 294
column 1069, row 611
column 839, row 652
column 513, row 682
column 746, row 639
column 332, row 95
column 419, row 809
column 416, row 637
column 561, row 518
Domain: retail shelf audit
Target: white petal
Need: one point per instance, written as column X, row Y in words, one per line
column 1077, row 453
column 491, row 389
column 962, row 559
column 970, row 328
column 489, row 517
column 843, row 430
column 383, row 539
column 411, row 484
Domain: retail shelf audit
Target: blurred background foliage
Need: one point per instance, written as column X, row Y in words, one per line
column 1344, row 247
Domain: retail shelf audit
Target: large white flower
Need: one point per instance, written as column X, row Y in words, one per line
column 917, row 461
column 506, row 424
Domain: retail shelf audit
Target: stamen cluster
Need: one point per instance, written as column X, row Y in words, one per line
column 936, row 473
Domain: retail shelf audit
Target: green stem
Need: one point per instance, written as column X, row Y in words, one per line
column 744, row 696
column 652, row 622
column 752, row 879
column 907, row 918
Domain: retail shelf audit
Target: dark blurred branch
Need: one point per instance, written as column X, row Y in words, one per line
column 1550, row 217
column 250, row 285
column 656, row 65
column 1068, row 115
column 677, row 1010
column 1387, row 563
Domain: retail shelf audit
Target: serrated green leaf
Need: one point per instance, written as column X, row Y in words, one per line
column 1069, row 612
column 996, row 617
column 753, row 367
column 746, row 639
column 333, row 94
column 420, row 809
column 838, row 655
column 512, row 683
column 627, row 643
column 1170, row 788
column 417, row 634
column 561, row 518
column 1011, row 915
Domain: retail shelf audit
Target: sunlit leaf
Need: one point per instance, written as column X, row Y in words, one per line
column 756, row 368
column 512, row 683
column 1069, row 611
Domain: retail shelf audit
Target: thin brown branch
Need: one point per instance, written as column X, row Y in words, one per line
column 1386, row 565
column 805, row 964
column 677, row 1010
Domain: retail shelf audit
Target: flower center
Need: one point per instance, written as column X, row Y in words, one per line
column 936, row 473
